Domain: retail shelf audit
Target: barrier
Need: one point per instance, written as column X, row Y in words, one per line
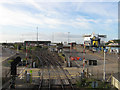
column 93, row 62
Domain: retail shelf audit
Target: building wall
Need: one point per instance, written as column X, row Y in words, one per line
column 115, row 83
column 87, row 39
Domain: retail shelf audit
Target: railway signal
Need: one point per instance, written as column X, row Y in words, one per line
column 14, row 71
column 13, row 68
column 14, row 64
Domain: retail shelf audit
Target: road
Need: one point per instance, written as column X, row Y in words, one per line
column 97, row 71
column 6, row 53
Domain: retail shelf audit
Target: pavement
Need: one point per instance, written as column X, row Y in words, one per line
column 111, row 62
column 46, row 76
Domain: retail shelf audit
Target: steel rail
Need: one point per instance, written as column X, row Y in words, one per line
column 55, row 69
column 58, row 64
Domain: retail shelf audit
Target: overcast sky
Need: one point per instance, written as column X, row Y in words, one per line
column 19, row 19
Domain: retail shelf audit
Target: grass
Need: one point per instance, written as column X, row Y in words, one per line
column 9, row 61
column 62, row 57
column 87, row 83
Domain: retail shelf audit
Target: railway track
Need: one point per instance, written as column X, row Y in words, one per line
column 49, row 67
column 50, row 62
column 48, row 59
column 41, row 78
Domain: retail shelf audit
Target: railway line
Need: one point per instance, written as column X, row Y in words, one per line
column 51, row 63
column 50, row 72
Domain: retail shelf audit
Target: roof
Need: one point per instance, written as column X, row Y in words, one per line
column 102, row 36
column 86, row 35
column 95, row 38
column 117, row 76
column 40, row 42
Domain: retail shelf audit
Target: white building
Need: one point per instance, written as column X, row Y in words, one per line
column 87, row 38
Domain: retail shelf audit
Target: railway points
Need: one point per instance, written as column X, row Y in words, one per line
column 49, row 69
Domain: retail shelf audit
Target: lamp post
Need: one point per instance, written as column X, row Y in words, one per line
column 104, row 67
column 53, row 37
column 68, row 37
column 37, row 35
column 70, row 51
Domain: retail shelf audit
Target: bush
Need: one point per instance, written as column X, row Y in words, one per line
column 9, row 61
column 87, row 83
column 61, row 55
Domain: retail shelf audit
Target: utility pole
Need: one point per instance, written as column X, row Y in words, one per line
column 83, row 69
column 53, row 37
column 22, row 38
column 70, row 51
column 84, row 57
column 68, row 37
column 37, row 35
column 104, row 67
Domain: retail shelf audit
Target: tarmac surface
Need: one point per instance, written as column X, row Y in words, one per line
column 111, row 62
column 74, row 71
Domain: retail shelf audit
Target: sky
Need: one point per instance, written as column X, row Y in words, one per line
column 19, row 19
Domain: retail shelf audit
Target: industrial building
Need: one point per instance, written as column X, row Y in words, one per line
column 35, row 43
column 94, row 40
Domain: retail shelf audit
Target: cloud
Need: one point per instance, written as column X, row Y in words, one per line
column 83, row 17
column 100, row 9
column 63, row 37
column 18, row 18
column 9, row 17
column 58, row 37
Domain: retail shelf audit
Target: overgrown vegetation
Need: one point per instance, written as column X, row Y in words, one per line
column 92, row 83
column 62, row 56
column 9, row 61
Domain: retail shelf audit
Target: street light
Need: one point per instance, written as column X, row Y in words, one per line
column 70, row 50
column 53, row 37
column 37, row 35
column 68, row 37
column 104, row 67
